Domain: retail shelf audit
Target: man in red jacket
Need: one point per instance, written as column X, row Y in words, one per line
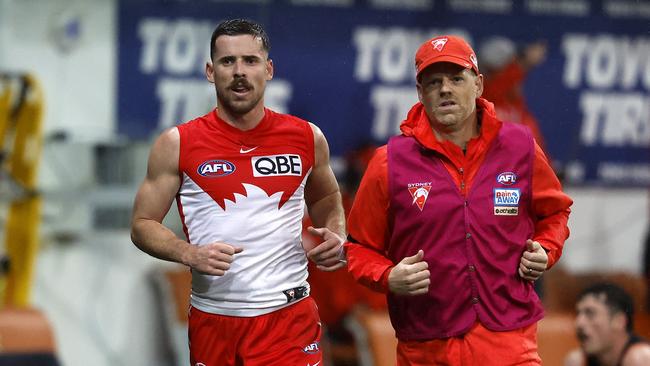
column 455, row 219
column 504, row 85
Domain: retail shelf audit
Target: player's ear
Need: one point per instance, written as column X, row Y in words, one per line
column 209, row 72
column 619, row 321
column 269, row 69
column 479, row 85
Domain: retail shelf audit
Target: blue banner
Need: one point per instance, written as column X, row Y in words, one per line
column 348, row 67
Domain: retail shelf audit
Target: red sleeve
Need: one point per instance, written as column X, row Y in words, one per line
column 500, row 85
column 368, row 226
column 551, row 207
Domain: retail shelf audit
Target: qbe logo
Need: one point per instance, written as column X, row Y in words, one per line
column 276, row 165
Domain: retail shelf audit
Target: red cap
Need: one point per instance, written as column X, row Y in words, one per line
column 446, row 49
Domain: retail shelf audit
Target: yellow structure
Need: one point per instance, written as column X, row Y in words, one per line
column 21, row 115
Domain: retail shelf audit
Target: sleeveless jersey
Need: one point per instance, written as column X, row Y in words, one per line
column 472, row 243
column 246, row 189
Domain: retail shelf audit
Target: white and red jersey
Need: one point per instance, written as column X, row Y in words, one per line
column 246, row 188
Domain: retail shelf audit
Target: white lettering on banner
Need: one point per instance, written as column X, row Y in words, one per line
column 574, row 47
column 151, row 32
column 602, row 65
column 338, row 3
column 635, row 51
column 182, row 100
column 615, row 119
column 610, row 70
column 182, row 45
column 624, row 173
column 579, row 8
column 606, row 61
column 177, row 51
column 402, row 4
column 575, row 171
column 181, row 50
column 484, row 6
column 389, row 52
column 628, row 9
column 278, row 95
column 364, row 40
column 391, row 104
column 395, row 58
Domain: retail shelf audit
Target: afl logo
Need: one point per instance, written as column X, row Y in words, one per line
column 312, row 348
column 216, row 168
column 507, row 178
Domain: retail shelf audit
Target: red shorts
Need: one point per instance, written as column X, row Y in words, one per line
column 479, row 346
column 286, row 337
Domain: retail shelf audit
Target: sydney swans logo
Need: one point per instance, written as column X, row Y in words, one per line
column 419, row 192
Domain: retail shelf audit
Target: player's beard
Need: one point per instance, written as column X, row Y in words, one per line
column 239, row 107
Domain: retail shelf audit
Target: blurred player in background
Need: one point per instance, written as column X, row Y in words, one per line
column 604, row 327
column 337, row 294
column 505, row 68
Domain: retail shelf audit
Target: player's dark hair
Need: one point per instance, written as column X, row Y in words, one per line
column 236, row 27
column 616, row 299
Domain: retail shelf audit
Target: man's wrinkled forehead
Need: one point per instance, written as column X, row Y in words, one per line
column 443, row 69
